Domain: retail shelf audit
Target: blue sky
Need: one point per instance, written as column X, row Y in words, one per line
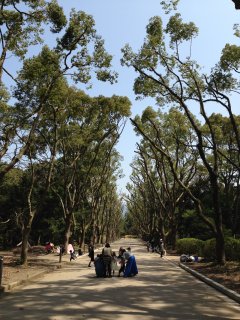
column 124, row 21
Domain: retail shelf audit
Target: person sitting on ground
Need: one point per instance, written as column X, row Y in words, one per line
column 99, row 266
column 49, row 247
column 186, row 258
column 127, row 253
column 131, row 265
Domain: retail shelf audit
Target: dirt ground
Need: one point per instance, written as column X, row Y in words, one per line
column 37, row 263
column 228, row 275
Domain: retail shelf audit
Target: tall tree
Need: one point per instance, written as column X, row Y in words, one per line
column 78, row 54
column 165, row 74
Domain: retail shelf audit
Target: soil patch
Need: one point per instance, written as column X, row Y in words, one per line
column 227, row 275
column 37, row 263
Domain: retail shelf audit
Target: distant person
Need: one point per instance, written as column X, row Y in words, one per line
column 91, row 254
column 152, row 244
column 80, row 253
column 161, row 248
column 72, row 255
column 148, row 246
column 49, row 247
column 62, row 249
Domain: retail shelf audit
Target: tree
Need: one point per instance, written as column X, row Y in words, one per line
column 22, row 24
column 78, row 54
column 87, row 134
column 175, row 80
column 166, row 136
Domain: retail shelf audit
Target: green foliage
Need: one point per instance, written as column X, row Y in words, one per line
column 154, row 31
column 232, row 249
column 209, row 249
column 193, row 226
column 56, row 16
column 24, row 27
column 179, row 31
column 169, row 5
column 190, row 246
column 230, row 58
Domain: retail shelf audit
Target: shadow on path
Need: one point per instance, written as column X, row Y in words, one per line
column 160, row 291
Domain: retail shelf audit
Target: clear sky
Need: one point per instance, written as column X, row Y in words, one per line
column 124, row 21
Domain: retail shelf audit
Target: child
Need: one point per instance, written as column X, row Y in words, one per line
column 72, row 255
column 121, row 261
column 114, row 265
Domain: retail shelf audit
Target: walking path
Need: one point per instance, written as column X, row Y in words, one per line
column 161, row 290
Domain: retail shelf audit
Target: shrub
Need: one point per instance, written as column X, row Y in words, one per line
column 232, row 249
column 190, row 246
column 209, row 249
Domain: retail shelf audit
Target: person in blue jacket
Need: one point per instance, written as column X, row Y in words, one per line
column 131, row 264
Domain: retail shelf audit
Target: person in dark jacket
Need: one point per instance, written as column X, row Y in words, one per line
column 99, row 266
column 91, row 254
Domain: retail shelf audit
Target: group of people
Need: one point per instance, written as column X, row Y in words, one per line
column 156, row 246
column 108, row 262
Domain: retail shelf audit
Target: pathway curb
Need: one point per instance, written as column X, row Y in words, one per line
column 10, row 286
column 230, row 293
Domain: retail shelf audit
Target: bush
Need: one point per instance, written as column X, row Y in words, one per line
column 232, row 249
column 209, row 249
column 190, row 246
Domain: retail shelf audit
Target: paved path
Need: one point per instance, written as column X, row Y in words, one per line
column 160, row 291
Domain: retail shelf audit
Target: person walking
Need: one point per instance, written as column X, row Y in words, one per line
column 72, row 255
column 107, row 259
column 91, row 254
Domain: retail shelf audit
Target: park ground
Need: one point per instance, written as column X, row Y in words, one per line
column 13, row 272
column 161, row 290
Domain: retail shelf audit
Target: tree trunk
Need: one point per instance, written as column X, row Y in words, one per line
column 173, row 236
column 68, row 232
column 25, row 245
column 220, row 248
